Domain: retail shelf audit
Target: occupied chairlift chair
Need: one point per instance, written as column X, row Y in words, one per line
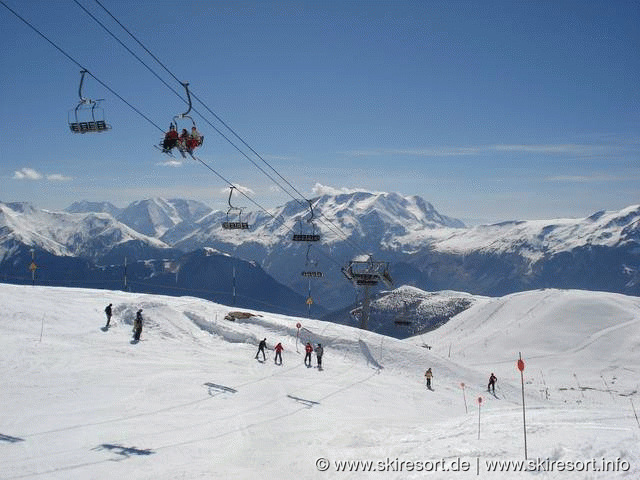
column 180, row 116
column 87, row 116
column 183, row 148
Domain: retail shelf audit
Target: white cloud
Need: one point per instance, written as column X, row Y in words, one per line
column 57, row 177
column 31, row 174
column 170, row 163
column 27, row 174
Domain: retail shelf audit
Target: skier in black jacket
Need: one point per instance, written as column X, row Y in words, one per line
column 108, row 313
column 319, row 353
column 492, row 384
column 261, row 346
column 137, row 326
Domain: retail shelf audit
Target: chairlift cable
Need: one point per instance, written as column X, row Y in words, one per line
column 139, row 112
column 174, row 91
column 332, row 226
column 68, row 56
column 188, row 101
column 217, row 117
column 131, row 106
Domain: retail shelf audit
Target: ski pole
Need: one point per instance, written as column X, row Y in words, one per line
column 634, row 411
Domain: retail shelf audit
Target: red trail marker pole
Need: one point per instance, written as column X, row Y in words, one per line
column 524, row 417
column 479, row 407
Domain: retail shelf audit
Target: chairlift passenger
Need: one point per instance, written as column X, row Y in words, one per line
column 170, row 139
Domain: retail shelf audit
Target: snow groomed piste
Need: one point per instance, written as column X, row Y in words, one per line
column 190, row 401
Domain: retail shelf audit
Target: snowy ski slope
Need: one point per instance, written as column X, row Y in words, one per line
column 191, row 402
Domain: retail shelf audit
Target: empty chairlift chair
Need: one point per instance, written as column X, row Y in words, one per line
column 234, row 225
column 307, row 235
column 87, row 116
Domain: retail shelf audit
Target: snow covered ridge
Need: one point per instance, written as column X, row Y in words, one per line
column 425, row 248
column 394, row 221
column 64, row 234
column 190, row 400
column 544, row 237
column 385, row 219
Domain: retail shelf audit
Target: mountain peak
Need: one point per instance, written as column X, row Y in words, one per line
column 155, row 216
column 86, row 206
column 382, row 214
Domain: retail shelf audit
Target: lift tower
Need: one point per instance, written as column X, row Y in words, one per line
column 367, row 273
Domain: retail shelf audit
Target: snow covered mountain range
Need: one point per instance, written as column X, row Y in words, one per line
column 425, row 249
column 64, row 234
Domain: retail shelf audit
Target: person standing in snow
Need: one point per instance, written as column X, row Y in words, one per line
column 137, row 326
column 308, row 349
column 319, row 353
column 278, row 350
column 108, row 313
column 492, row 384
column 428, row 375
column 261, row 346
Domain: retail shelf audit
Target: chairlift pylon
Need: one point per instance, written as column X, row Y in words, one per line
column 367, row 272
column 87, row 116
column 239, row 225
column 307, row 237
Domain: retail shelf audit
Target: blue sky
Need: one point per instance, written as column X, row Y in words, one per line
column 489, row 110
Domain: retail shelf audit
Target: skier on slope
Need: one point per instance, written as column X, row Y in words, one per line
column 308, row 349
column 319, row 353
column 278, row 350
column 492, row 384
column 261, row 347
column 428, row 375
column 108, row 312
column 137, row 326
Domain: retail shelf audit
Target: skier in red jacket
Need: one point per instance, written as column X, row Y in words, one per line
column 308, row 349
column 170, row 139
column 278, row 348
